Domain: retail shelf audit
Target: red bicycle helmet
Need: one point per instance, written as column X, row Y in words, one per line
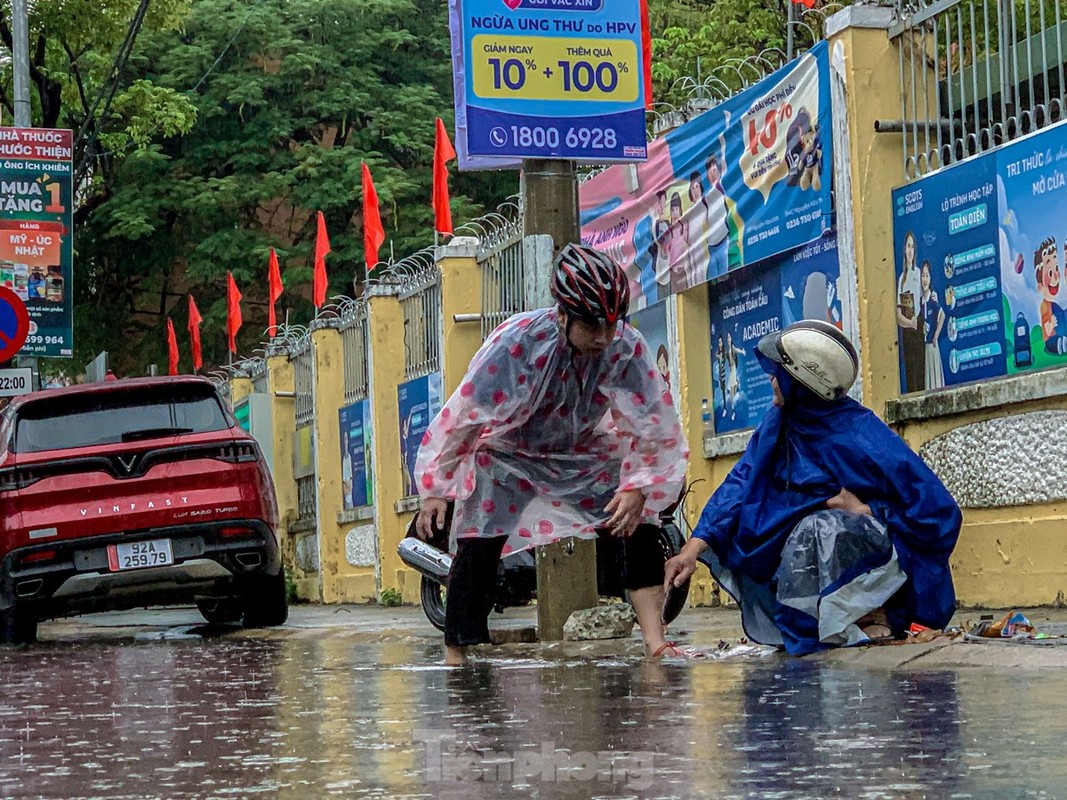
column 588, row 285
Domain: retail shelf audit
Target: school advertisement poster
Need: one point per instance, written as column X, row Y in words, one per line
column 739, row 184
column 357, row 471
column 651, row 322
column 979, row 253
column 36, row 247
column 763, row 299
column 419, row 401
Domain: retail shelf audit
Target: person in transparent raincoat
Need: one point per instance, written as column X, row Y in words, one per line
column 562, row 426
column 830, row 530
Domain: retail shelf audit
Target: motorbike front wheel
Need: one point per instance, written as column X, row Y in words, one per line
column 432, row 595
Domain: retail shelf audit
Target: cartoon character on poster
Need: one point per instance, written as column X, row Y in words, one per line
column 1031, row 264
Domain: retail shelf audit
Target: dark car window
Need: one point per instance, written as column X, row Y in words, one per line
column 137, row 414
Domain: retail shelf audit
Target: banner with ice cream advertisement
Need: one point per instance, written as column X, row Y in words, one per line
column 747, row 180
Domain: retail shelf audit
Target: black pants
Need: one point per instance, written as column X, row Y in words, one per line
column 472, row 582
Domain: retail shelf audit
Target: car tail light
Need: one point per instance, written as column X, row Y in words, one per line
column 236, row 530
column 14, row 479
column 237, row 453
column 38, row 556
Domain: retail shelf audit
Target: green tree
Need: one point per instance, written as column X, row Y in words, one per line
column 291, row 96
column 696, row 38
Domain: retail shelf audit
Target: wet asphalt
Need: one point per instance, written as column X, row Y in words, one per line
column 352, row 702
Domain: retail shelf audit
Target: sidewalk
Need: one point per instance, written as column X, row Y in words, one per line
column 704, row 628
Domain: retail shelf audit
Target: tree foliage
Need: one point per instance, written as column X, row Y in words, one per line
column 695, row 38
column 288, row 97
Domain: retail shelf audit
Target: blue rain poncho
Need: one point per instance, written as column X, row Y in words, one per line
column 800, row 457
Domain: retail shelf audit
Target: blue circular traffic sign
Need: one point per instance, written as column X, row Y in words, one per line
column 14, row 323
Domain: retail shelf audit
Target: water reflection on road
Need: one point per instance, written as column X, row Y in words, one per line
column 350, row 717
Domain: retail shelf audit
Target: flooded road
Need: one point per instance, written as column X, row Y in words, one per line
column 180, row 715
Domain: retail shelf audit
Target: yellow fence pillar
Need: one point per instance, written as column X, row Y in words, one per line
column 283, row 424
column 342, row 582
column 862, row 54
column 461, row 295
column 240, row 388
column 694, row 391
column 386, row 367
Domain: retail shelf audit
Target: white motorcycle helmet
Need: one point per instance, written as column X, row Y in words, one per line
column 817, row 354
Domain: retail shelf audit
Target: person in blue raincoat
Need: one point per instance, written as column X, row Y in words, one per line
column 830, row 530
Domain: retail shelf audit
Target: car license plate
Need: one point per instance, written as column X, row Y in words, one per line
column 138, row 555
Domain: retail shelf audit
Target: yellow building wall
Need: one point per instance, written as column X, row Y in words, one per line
column 341, row 581
column 461, row 293
column 283, row 422
column 1005, row 556
column 240, row 388
column 386, row 342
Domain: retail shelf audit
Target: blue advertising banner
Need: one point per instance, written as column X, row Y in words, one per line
column 652, row 323
column 550, row 78
column 357, row 473
column 949, row 306
column 749, row 304
column 979, row 260
column 419, row 401
column 1031, row 206
column 741, row 183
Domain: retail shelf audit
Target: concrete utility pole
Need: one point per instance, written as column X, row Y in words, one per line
column 20, row 52
column 20, row 31
column 566, row 572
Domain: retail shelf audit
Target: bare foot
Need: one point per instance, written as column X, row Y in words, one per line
column 455, row 656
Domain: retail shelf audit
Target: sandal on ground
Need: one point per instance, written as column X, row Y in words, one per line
column 672, row 650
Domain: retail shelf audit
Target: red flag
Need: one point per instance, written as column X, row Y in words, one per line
column 274, row 281
column 373, row 232
column 194, row 333
column 443, row 152
column 320, row 281
column 805, row 3
column 646, row 51
column 233, row 311
column 172, row 347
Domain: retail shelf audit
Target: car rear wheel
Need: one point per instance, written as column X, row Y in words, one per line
column 220, row 610
column 264, row 601
column 17, row 626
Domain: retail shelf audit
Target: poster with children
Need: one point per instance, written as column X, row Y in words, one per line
column 947, row 294
column 743, row 182
column 357, row 478
column 746, row 306
column 419, row 401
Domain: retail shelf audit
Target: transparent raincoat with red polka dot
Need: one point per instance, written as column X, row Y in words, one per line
column 537, row 439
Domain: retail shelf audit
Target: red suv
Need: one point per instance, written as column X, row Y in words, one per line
column 133, row 493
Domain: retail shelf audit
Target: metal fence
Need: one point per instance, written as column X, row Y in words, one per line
column 260, row 378
column 354, row 341
column 501, row 260
column 975, row 74
column 420, row 303
column 302, row 356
